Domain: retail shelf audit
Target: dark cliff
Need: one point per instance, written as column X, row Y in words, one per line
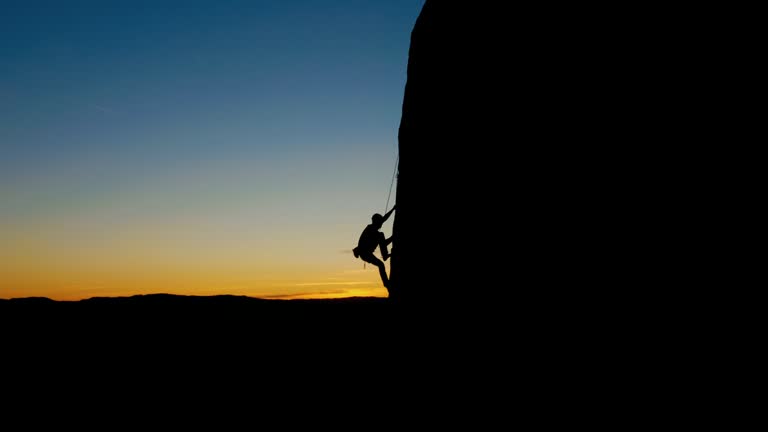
column 533, row 157
column 451, row 197
column 430, row 146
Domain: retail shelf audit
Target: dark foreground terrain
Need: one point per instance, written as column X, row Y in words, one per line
column 166, row 317
column 220, row 346
column 226, row 330
column 163, row 323
column 170, row 308
column 371, row 352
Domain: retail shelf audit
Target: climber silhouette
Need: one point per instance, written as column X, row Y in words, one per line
column 370, row 239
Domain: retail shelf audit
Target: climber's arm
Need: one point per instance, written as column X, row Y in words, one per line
column 386, row 216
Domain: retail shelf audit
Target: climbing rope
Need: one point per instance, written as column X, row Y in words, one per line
column 394, row 174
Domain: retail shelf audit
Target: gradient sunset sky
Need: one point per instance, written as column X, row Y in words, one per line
column 196, row 147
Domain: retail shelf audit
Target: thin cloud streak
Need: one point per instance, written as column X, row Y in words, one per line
column 103, row 109
column 330, row 283
column 312, row 294
column 362, row 270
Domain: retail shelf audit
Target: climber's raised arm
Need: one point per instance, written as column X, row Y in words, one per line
column 387, row 214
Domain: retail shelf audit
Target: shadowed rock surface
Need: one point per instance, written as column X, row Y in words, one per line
column 526, row 139
column 477, row 199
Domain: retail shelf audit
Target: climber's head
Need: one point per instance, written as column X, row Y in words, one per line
column 377, row 219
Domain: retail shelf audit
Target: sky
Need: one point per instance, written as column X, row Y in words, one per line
column 197, row 147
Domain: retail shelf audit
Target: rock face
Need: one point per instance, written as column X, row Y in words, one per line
column 521, row 157
column 443, row 214
column 542, row 203
column 483, row 180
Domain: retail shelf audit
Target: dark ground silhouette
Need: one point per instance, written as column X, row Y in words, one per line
column 193, row 315
column 208, row 331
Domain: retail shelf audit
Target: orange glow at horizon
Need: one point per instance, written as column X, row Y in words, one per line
column 47, row 263
column 85, row 287
column 189, row 247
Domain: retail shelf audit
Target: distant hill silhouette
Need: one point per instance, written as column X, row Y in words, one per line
column 221, row 326
column 158, row 308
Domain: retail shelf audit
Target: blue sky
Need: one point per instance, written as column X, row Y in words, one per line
column 274, row 118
